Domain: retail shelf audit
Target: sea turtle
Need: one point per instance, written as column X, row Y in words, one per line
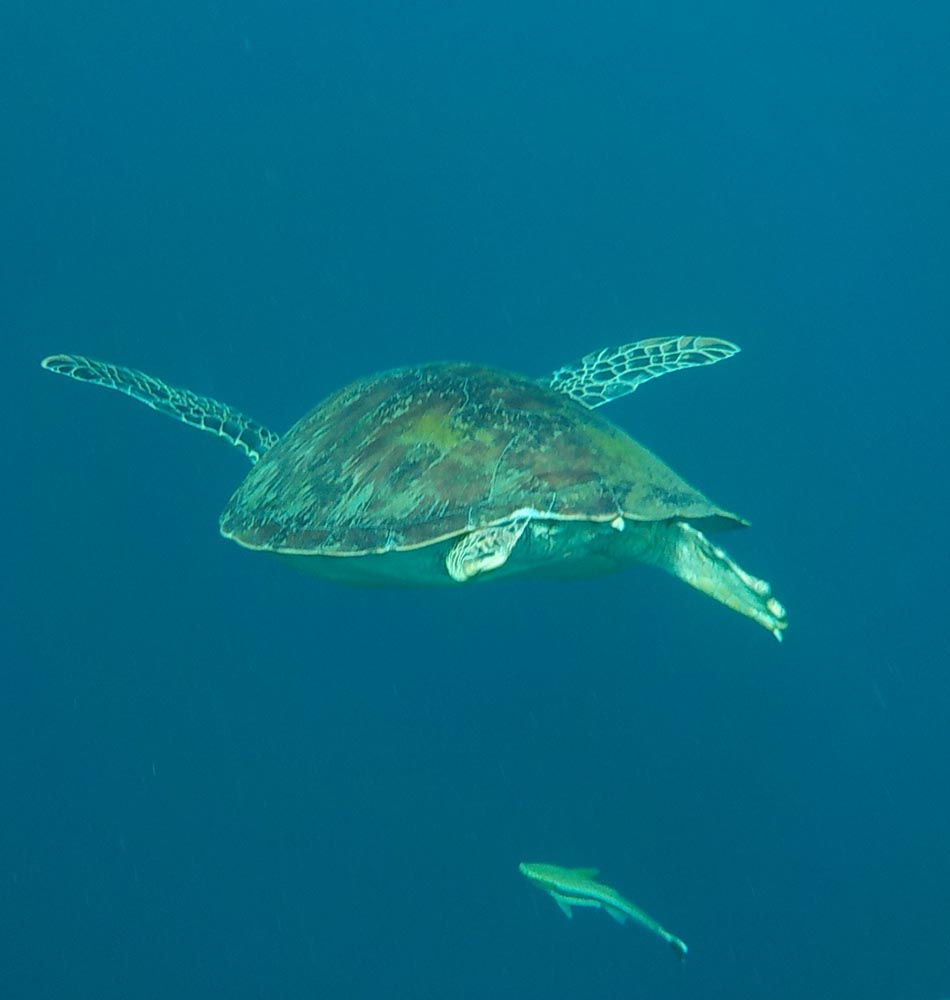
column 445, row 473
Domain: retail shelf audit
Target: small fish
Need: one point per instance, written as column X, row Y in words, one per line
column 576, row 887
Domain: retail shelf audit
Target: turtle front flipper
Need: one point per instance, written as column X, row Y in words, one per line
column 686, row 552
column 197, row 411
column 613, row 372
column 483, row 550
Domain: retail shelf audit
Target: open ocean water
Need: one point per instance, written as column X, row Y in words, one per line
column 219, row 778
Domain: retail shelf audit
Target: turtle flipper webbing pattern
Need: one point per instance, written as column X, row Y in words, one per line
column 196, row 411
column 613, row 372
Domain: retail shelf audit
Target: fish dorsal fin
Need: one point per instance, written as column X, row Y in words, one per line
column 585, row 872
column 197, row 411
column 605, row 375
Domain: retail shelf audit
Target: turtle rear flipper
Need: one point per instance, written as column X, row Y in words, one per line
column 197, row 411
column 687, row 553
column 484, row 550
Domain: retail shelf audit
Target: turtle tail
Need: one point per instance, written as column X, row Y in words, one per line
column 197, row 411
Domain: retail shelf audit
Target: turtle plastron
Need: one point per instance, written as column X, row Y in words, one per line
column 483, row 550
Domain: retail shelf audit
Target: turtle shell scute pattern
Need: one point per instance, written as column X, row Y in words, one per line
column 413, row 456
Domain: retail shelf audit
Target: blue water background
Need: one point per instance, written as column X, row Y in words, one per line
column 219, row 778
